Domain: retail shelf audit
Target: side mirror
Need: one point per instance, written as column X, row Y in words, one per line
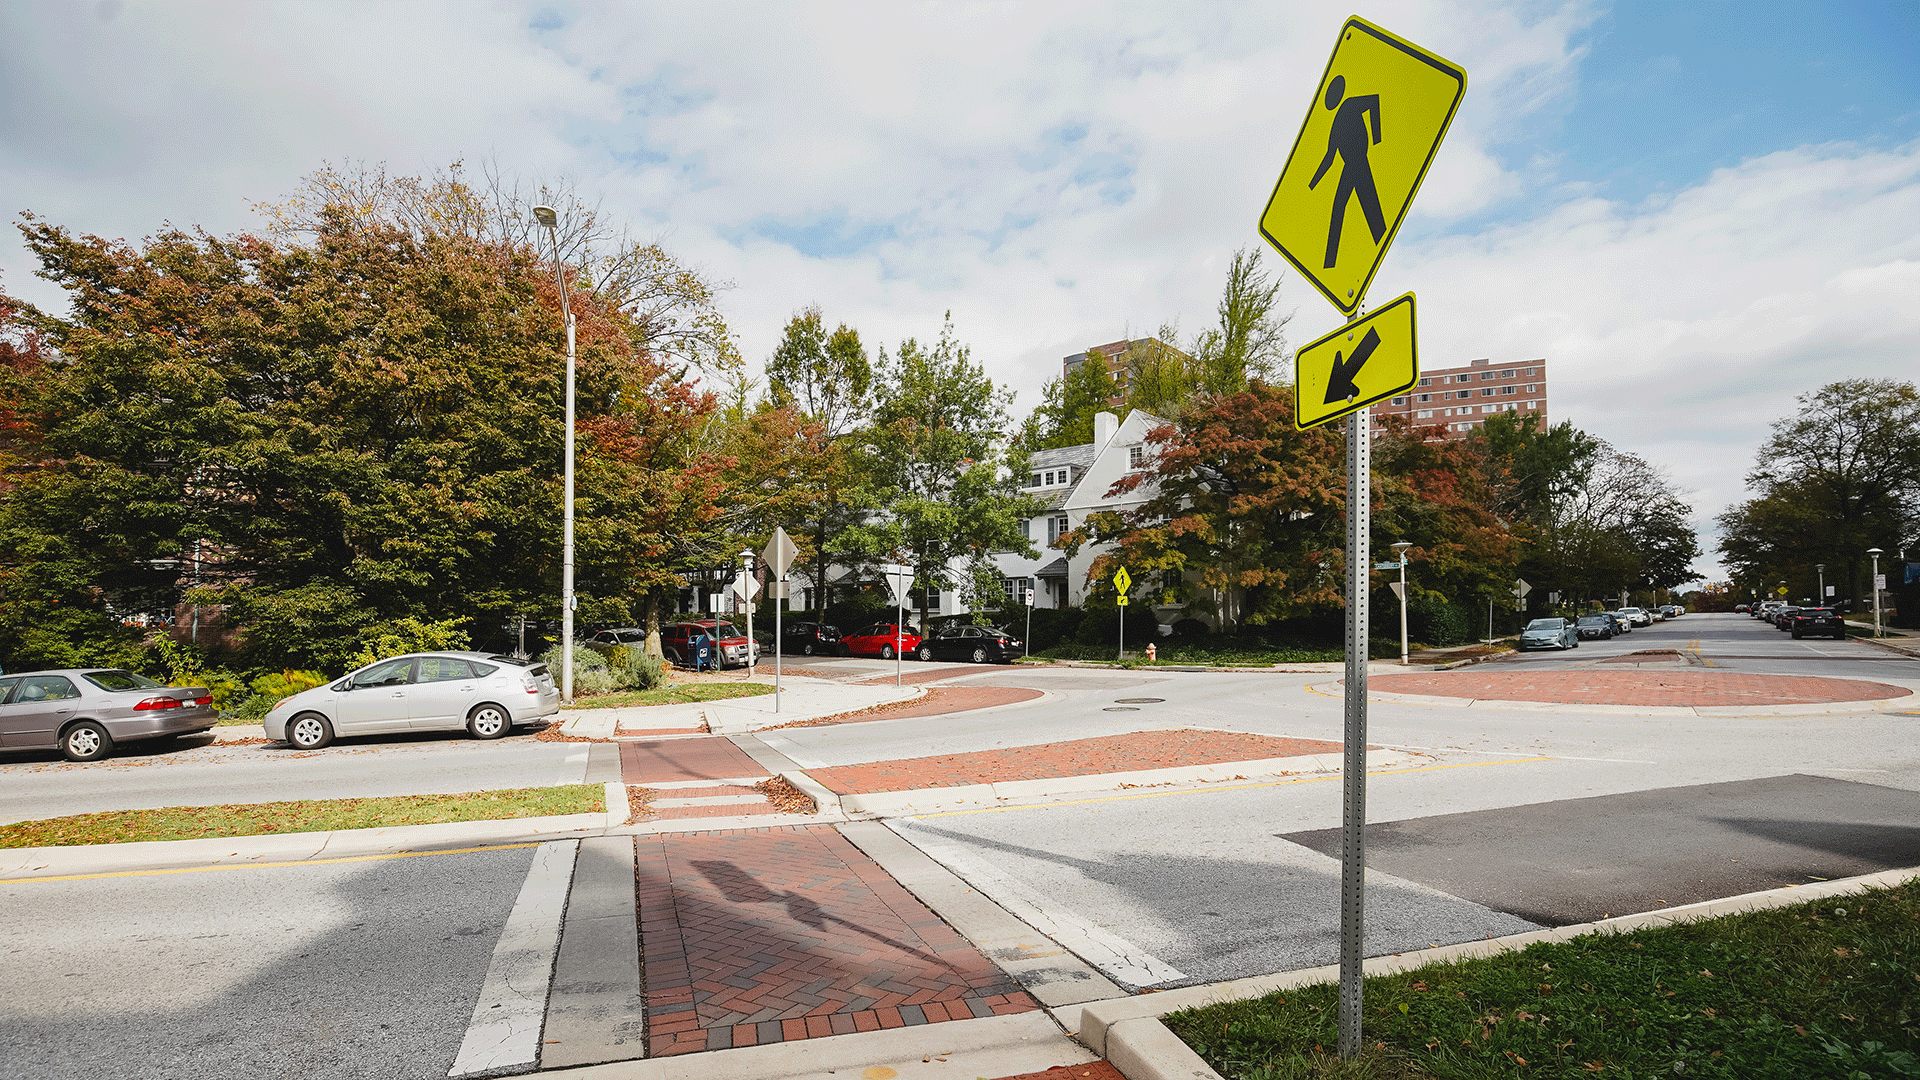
column 342, row 686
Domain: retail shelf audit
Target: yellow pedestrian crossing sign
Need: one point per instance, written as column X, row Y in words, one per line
column 1122, row 581
column 1356, row 365
column 1381, row 109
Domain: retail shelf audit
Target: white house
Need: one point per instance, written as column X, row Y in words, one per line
column 1075, row 481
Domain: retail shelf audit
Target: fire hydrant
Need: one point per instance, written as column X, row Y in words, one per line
column 1150, row 652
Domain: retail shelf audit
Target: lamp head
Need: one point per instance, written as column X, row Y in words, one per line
column 1875, row 551
column 1400, row 548
column 546, row 216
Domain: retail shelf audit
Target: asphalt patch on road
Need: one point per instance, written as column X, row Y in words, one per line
column 1578, row 860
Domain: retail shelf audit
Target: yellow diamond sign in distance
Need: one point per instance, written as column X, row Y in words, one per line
column 1123, row 581
column 1356, row 365
column 1382, row 108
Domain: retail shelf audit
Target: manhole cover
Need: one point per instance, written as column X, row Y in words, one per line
column 1137, row 700
column 1119, row 708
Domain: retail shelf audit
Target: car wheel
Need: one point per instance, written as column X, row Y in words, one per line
column 309, row 731
column 979, row 654
column 807, row 649
column 488, row 721
column 886, row 652
column 86, row 741
column 925, row 654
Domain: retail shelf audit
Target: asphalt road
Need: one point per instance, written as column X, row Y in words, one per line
column 347, row 970
column 199, row 773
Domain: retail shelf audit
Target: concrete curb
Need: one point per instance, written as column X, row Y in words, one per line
column 618, row 808
column 974, row 796
column 1128, row 1031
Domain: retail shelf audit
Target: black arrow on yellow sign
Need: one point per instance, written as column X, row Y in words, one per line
column 1340, row 385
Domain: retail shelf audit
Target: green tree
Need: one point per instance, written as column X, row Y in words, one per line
column 334, row 435
column 946, row 493
column 1841, row 474
column 1248, row 341
column 1067, row 406
column 827, row 379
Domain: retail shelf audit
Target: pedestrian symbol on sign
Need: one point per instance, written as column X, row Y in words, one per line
column 1348, row 138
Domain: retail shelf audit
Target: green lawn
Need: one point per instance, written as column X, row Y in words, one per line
column 1829, row 988
column 673, row 695
column 305, row 815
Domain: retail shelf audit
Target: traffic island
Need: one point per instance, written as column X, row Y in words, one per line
column 1639, row 690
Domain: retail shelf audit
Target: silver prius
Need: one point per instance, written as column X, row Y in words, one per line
column 84, row 711
column 484, row 693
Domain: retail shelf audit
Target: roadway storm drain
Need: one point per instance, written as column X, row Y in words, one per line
column 1138, row 700
column 1120, row 708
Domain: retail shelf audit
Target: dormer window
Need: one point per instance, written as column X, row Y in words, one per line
column 1060, row 477
column 1136, row 457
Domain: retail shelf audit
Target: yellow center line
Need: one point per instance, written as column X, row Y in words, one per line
column 1235, row 787
column 268, row 865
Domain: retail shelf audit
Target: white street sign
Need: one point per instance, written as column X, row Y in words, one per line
column 1880, row 582
column 1399, row 590
column 1521, row 588
column 779, row 553
column 744, row 586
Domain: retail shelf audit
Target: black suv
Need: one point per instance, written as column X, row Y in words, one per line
column 808, row 638
column 1817, row 620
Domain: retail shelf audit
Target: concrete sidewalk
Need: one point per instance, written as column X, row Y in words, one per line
column 800, row 698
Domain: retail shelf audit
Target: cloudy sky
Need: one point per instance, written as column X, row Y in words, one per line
column 1694, row 212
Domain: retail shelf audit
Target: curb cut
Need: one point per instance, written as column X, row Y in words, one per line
column 1129, row 1034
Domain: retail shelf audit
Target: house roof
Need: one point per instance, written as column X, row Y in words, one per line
column 1056, row 568
column 1081, row 455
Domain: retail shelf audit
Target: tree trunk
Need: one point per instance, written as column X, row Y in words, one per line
column 820, row 569
column 652, row 619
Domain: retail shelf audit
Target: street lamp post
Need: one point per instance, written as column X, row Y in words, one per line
column 1820, row 597
column 548, row 217
column 1400, row 549
column 1876, row 553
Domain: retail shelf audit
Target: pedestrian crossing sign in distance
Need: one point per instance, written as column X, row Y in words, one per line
column 1381, row 109
column 1356, row 365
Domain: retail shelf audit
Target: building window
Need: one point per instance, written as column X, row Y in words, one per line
column 1508, row 389
column 1486, row 391
column 1423, row 414
column 1464, row 393
column 1056, row 528
column 1426, row 382
column 1026, row 528
column 1507, row 374
column 1136, row 457
column 1033, row 480
column 1485, row 376
column 1016, row 588
column 1426, row 397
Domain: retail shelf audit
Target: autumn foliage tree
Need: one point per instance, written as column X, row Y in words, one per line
column 330, row 435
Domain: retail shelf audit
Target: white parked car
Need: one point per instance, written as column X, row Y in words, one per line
column 484, row 693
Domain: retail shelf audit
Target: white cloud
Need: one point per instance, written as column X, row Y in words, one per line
column 1056, row 175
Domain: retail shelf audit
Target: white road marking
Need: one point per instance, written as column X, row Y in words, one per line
column 505, row 1030
column 1114, row 956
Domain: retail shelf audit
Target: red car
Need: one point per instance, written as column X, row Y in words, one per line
column 730, row 646
column 882, row 640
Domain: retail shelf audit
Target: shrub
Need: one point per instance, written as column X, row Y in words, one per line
column 592, row 672
column 1052, row 626
column 635, row 669
column 1190, row 628
column 408, row 635
column 1440, row 622
column 273, row 688
column 1103, row 627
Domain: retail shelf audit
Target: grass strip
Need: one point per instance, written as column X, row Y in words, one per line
column 304, row 815
column 684, row 694
column 1830, row 988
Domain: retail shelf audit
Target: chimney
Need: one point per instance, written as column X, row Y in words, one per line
column 1105, row 425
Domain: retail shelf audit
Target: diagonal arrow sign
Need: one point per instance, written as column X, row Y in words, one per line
column 1340, row 384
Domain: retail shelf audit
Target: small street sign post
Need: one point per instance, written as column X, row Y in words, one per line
column 1381, row 108
column 778, row 556
column 1122, row 581
column 898, row 579
column 1026, row 643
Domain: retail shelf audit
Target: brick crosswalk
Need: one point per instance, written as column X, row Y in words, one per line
column 767, row 935
column 1077, row 757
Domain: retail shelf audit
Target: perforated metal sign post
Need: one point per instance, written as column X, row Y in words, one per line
column 1380, row 111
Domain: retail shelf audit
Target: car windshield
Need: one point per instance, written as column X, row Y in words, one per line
column 1545, row 624
column 120, row 680
column 1593, row 620
column 517, row 661
column 725, row 630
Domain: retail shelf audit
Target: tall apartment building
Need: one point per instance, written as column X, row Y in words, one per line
column 1115, row 356
column 1459, row 399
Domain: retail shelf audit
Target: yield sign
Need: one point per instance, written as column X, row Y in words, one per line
column 1521, row 588
column 780, row 552
column 1123, row 581
column 1356, row 365
column 1381, row 109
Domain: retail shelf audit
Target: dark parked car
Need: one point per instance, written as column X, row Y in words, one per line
column 808, row 638
column 1597, row 626
column 1818, row 620
column 1783, row 618
column 977, row 644
column 83, row 712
